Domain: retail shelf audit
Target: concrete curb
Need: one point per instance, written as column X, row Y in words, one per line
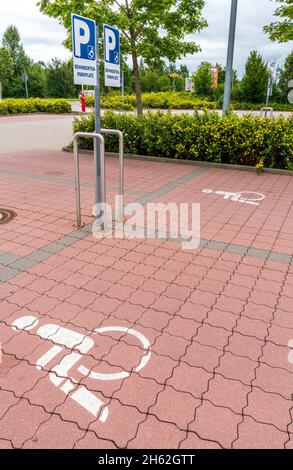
column 72, row 113
column 274, row 171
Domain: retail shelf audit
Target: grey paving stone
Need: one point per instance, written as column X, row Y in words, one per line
column 8, row 258
column 8, row 273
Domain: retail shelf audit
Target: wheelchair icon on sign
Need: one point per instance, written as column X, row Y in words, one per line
column 91, row 52
column 79, row 345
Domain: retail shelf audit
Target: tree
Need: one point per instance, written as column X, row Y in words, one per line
column 37, row 81
column 11, row 42
column 60, row 79
column 282, row 31
column 254, row 83
column 203, row 80
column 21, row 62
column 154, row 30
column 152, row 81
column 6, row 68
column 285, row 76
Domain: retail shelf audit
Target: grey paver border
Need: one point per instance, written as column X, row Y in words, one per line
column 15, row 265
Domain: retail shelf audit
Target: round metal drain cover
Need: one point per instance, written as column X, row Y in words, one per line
column 6, row 215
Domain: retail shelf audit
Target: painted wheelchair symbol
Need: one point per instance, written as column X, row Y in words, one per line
column 116, row 58
column 245, row 197
column 80, row 344
column 91, row 52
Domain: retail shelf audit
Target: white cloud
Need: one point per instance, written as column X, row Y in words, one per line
column 252, row 16
column 43, row 36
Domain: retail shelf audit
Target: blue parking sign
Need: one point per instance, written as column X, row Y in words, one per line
column 84, row 50
column 112, row 56
column 84, row 37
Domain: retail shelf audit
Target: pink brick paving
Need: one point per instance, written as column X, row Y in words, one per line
column 218, row 319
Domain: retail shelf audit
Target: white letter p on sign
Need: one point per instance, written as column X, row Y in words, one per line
column 110, row 39
column 81, row 35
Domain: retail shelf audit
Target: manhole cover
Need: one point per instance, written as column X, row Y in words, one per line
column 6, row 215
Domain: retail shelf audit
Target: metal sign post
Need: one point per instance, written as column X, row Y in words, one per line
column 25, row 79
column 86, row 65
column 98, row 124
column 230, row 56
column 123, row 92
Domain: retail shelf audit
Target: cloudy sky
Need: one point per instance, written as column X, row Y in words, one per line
column 42, row 36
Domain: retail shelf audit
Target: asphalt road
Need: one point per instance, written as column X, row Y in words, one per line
column 33, row 132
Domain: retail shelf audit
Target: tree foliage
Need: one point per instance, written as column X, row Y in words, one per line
column 203, row 80
column 151, row 29
column 6, row 65
column 285, row 76
column 60, row 79
column 282, row 31
column 11, row 41
column 254, row 83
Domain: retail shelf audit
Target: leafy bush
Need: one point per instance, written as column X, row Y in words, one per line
column 206, row 137
column 173, row 100
column 242, row 106
column 154, row 101
column 34, row 105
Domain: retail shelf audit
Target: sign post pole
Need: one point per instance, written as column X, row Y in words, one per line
column 25, row 79
column 123, row 93
column 98, row 124
column 86, row 66
column 230, row 57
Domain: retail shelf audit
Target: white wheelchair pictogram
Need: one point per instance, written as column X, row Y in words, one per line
column 80, row 344
column 245, row 197
column 91, row 52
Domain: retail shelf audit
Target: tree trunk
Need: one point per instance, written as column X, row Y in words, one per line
column 137, row 83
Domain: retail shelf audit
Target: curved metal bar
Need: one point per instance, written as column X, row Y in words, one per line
column 95, row 136
column 121, row 168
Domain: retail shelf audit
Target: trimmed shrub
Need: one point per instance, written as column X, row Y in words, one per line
column 173, row 100
column 34, row 105
column 206, row 137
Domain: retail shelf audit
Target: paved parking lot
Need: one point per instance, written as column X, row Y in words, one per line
column 138, row 343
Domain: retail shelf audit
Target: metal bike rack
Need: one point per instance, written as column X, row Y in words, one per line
column 98, row 136
column 121, row 168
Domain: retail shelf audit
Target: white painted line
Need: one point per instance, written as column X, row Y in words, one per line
column 88, row 400
column 65, row 337
column 100, row 376
column 48, row 356
column 254, row 200
column 60, row 372
column 68, row 387
column 25, row 323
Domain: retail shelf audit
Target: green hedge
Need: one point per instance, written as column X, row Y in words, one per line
column 172, row 100
column 257, row 107
column 34, row 105
column 154, row 101
column 207, row 137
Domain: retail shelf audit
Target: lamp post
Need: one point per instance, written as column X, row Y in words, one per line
column 230, row 56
